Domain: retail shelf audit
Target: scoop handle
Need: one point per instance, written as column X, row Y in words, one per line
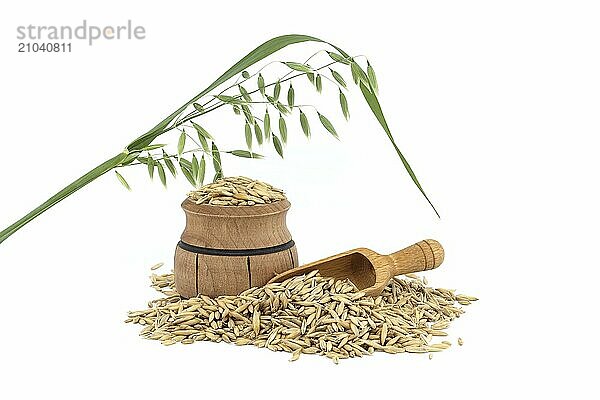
column 422, row 256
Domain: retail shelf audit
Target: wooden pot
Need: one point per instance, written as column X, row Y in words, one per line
column 225, row 250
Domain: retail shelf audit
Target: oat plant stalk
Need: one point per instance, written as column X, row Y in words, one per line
column 260, row 128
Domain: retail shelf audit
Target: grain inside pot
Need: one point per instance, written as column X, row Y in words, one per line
column 308, row 314
column 236, row 191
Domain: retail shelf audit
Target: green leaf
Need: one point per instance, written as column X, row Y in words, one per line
column 169, row 164
column 230, row 99
column 187, row 172
column 245, row 74
column 201, row 171
column 261, row 84
column 130, row 158
column 344, row 105
column 259, row 53
column 244, row 94
column 328, row 125
column 298, row 66
column 247, row 114
column 236, row 109
column 188, row 164
column 319, row 84
column 277, row 145
column 377, row 111
column 258, row 133
column 277, row 90
column 372, row 78
column 248, row 133
column 216, row 157
column 305, row 125
column 354, row 75
column 65, row 192
column 153, row 147
column 336, row 75
column 203, row 142
column 199, row 108
column 150, row 167
column 311, row 78
column 123, row 181
column 195, row 167
column 336, row 57
column 181, row 143
column 264, row 50
column 202, row 132
column 244, row 154
column 267, row 125
column 282, row 129
column 290, row 96
column 161, row 174
column 359, row 75
column 282, row 109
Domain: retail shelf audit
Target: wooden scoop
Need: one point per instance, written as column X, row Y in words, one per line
column 370, row 271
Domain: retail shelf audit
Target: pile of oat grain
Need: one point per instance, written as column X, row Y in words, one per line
column 308, row 314
column 236, row 191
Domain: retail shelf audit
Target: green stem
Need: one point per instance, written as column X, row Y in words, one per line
column 64, row 193
column 259, row 53
column 195, row 114
column 264, row 50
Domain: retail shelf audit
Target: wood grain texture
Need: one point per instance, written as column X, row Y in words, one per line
column 370, row 271
column 218, row 275
column 223, row 227
column 265, row 267
column 186, row 272
column 232, row 228
column 294, row 257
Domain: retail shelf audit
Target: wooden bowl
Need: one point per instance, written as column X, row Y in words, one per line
column 225, row 250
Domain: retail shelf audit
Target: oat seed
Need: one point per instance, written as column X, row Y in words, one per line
column 236, row 191
column 307, row 314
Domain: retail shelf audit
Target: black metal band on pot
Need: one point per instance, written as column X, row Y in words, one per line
column 235, row 252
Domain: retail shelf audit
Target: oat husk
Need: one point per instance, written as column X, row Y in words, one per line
column 308, row 314
column 236, row 191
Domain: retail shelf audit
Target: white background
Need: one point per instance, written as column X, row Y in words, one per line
column 495, row 104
